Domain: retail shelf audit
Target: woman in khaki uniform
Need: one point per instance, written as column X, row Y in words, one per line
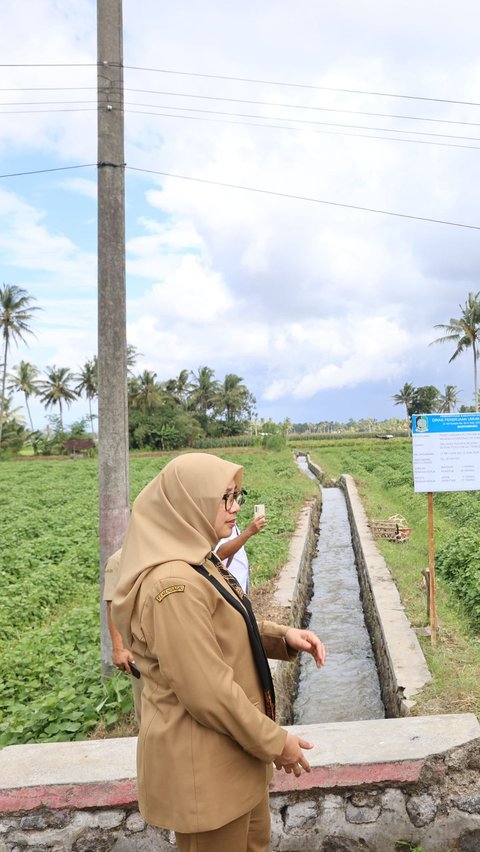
column 207, row 737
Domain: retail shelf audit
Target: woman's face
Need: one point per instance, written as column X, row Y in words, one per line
column 226, row 518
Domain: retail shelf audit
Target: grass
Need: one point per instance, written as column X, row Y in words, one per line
column 383, row 474
column 49, row 612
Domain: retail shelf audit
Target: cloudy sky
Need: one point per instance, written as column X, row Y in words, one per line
column 316, row 113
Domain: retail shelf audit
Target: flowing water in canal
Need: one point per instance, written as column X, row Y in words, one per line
column 347, row 687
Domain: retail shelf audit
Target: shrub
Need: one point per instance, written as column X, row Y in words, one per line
column 459, row 562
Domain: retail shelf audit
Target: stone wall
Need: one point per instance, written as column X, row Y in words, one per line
column 373, row 785
column 294, row 592
column 439, row 811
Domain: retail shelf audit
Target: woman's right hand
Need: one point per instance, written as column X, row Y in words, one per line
column 292, row 758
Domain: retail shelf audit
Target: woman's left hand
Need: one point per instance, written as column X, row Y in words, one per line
column 306, row 640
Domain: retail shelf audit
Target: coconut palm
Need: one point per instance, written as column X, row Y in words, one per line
column 234, row 398
column 23, row 379
column 10, row 414
column 16, row 312
column 204, row 390
column 56, row 389
column 405, row 397
column 465, row 332
column 178, row 388
column 144, row 392
column 182, row 387
column 88, row 384
column 448, row 400
column 132, row 357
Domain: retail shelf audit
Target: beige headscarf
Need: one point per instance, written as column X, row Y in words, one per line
column 172, row 519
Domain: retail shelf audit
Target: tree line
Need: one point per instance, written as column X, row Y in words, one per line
column 194, row 405
column 162, row 414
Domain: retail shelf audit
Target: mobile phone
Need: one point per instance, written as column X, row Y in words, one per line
column 135, row 672
column 259, row 510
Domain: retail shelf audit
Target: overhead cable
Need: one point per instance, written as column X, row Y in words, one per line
column 303, row 129
column 306, row 198
column 300, row 85
column 45, row 171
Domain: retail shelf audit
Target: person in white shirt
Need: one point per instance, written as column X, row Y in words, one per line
column 231, row 550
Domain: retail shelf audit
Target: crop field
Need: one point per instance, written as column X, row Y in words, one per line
column 49, row 613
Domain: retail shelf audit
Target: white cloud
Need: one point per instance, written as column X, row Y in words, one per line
column 300, row 297
column 27, row 243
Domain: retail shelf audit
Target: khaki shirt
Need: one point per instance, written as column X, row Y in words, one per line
column 110, row 575
column 205, row 747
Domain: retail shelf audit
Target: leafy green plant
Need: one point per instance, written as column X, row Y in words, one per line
column 458, row 561
column 49, row 613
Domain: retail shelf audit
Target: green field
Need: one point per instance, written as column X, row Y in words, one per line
column 384, row 477
column 49, row 615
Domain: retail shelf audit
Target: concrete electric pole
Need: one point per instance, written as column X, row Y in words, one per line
column 114, row 505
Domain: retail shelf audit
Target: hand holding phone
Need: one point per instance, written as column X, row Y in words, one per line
column 259, row 510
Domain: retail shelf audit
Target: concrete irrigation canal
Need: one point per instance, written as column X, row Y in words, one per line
column 348, row 687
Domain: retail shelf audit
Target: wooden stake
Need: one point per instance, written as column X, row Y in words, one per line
column 431, row 572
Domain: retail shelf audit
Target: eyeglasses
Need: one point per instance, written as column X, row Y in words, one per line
column 234, row 497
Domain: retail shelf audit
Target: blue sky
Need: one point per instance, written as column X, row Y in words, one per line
column 324, row 310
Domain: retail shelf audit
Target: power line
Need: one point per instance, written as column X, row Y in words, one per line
column 303, row 107
column 258, row 190
column 49, row 64
column 246, row 101
column 239, row 80
column 300, row 85
column 45, row 171
column 308, row 121
column 35, row 111
column 307, row 198
column 249, row 101
column 43, row 103
column 303, row 129
column 50, row 89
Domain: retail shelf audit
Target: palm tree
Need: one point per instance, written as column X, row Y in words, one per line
column 132, row 357
column 448, row 400
column 465, row 332
column 144, row 391
column 10, row 414
column 234, row 398
column 182, row 387
column 15, row 315
column 56, row 389
column 405, row 397
column 177, row 389
column 88, row 384
column 204, row 390
column 24, row 379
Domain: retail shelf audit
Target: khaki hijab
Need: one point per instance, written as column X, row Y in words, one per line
column 172, row 519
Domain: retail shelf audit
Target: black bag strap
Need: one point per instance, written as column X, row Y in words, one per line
column 242, row 604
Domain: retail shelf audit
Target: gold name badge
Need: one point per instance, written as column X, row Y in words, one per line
column 169, row 591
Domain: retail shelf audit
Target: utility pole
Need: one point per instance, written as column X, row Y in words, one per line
column 112, row 343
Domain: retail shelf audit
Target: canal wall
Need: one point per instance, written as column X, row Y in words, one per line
column 293, row 590
column 383, row 785
column 400, row 661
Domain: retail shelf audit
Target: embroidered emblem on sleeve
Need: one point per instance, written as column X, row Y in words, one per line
column 169, row 591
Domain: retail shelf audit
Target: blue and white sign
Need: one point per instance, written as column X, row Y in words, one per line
column 446, row 452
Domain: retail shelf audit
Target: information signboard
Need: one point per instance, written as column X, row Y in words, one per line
column 446, row 452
